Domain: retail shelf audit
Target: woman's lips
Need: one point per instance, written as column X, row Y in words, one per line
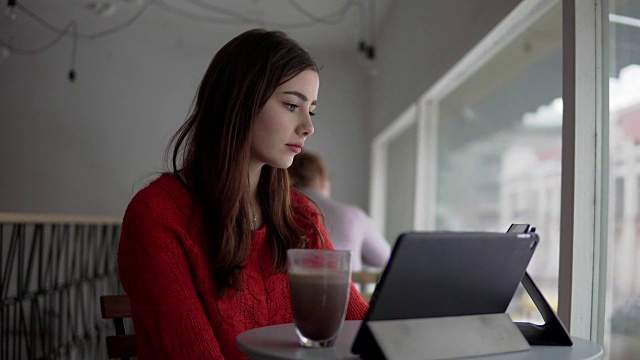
column 295, row 148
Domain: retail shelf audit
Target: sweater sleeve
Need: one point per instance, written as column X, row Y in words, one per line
column 169, row 319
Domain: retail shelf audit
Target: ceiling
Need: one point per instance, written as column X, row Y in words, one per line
column 35, row 25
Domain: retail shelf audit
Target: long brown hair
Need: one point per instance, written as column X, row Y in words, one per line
column 211, row 151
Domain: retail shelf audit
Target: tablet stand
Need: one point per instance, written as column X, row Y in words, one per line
column 552, row 332
column 449, row 337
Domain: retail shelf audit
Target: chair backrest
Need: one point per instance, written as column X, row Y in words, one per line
column 121, row 345
column 366, row 281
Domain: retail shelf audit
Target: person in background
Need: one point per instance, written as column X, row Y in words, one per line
column 202, row 254
column 348, row 226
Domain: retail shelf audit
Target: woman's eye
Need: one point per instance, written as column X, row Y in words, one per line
column 291, row 107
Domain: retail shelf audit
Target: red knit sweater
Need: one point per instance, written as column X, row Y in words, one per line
column 169, row 280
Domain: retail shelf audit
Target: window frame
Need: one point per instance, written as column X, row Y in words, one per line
column 585, row 150
column 380, row 164
column 584, row 199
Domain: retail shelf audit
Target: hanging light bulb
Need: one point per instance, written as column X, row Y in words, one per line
column 11, row 12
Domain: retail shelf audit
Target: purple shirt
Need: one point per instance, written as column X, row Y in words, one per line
column 350, row 228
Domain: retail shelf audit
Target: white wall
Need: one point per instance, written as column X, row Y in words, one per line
column 419, row 42
column 87, row 147
column 342, row 128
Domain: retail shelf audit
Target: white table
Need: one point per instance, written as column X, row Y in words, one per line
column 280, row 342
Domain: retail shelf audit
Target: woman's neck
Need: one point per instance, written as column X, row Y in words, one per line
column 254, row 178
column 256, row 211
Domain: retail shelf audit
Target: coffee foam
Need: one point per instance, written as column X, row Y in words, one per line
column 318, row 275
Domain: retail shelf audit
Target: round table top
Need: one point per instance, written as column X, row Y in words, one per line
column 280, row 342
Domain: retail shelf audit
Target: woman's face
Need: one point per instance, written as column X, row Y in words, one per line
column 284, row 123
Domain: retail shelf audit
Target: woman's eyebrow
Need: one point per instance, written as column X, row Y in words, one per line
column 300, row 95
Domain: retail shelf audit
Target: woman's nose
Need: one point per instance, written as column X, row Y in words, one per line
column 306, row 128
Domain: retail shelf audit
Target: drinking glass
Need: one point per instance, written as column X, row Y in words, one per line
column 319, row 282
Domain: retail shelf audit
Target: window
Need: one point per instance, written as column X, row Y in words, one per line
column 501, row 139
column 499, row 149
column 488, row 146
column 622, row 315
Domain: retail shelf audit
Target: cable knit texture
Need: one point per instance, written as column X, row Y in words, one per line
column 169, row 279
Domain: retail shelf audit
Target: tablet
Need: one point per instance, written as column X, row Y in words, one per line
column 434, row 274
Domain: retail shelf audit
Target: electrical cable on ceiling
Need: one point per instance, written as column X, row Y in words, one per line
column 92, row 36
column 196, row 17
column 363, row 19
column 368, row 49
column 372, row 25
column 40, row 49
column 10, row 12
column 89, row 36
column 219, row 10
column 239, row 17
column 327, row 19
column 371, row 54
column 71, row 29
column 74, row 48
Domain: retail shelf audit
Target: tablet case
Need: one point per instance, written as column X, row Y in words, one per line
column 437, row 274
column 552, row 332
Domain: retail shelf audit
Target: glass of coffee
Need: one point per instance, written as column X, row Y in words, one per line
column 319, row 282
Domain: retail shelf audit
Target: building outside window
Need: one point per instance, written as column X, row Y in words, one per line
column 622, row 315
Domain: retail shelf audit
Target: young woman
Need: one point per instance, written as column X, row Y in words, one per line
column 203, row 248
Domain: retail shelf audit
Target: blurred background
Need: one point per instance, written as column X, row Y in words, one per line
column 432, row 115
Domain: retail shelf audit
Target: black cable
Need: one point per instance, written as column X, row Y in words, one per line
column 363, row 19
column 327, row 19
column 250, row 20
column 36, row 51
column 332, row 18
column 372, row 23
column 93, row 36
column 66, row 30
column 371, row 51
column 219, row 10
column 340, row 13
column 74, row 50
column 197, row 17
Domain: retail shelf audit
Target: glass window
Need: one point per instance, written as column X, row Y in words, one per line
column 499, row 150
column 401, row 176
column 622, row 315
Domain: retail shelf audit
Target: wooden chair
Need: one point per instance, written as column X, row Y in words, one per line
column 121, row 345
column 367, row 280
